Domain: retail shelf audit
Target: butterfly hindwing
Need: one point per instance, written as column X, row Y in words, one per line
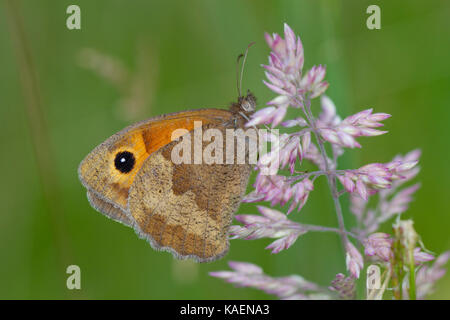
column 186, row 209
column 109, row 210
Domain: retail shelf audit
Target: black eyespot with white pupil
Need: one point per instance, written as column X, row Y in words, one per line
column 124, row 161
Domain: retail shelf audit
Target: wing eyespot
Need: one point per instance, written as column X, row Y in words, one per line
column 124, row 161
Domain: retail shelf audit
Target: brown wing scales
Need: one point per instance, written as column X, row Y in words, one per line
column 187, row 208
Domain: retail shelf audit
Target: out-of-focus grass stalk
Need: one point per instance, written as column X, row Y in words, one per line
column 412, row 275
column 398, row 269
column 38, row 129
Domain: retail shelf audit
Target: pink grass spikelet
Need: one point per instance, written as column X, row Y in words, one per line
column 313, row 82
column 354, row 260
column 344, row 286
column 343, row 133
column 427, row 276
column 379, row 245
column 421, row 257
column 271, row 224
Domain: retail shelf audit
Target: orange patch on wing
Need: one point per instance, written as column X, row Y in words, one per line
column 149, row 137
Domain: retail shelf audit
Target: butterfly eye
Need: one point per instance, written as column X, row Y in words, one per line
column 248, row 103
column 124, row 161
column 246, row 106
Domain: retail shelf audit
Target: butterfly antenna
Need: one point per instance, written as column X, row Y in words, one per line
column 239, row 79
column 237, row 75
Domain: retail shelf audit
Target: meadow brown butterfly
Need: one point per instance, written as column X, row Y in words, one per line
column 183, row 208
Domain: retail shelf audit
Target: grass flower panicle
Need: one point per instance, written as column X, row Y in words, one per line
column 406, row 265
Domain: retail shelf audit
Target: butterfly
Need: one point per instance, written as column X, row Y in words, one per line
column 182, row 208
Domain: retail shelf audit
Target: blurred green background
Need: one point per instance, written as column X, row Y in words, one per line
column 136, row 59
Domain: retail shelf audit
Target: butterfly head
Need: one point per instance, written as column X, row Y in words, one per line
column 245, row 106
column 247, row 103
